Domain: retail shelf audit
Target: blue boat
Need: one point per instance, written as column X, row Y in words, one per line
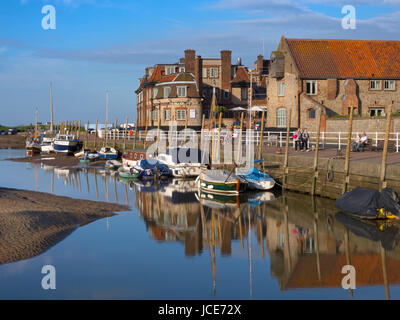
column 150, row 168
column 256, row 179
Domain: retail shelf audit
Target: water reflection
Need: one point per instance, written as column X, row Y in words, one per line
column 300, row 241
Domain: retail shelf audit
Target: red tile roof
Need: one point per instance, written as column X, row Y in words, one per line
column 341, row 59
column 241, row 75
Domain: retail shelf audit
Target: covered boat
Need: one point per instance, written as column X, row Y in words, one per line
column 257, row 180
column 151, row 168
column 222, row 182
column 370, row 204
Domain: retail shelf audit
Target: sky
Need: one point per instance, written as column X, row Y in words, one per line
column 105, row 45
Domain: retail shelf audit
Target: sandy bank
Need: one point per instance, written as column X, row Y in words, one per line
column 12, row 141
column 32, row 222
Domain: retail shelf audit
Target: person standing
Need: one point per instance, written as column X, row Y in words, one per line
column 305, row 137
column 296, row 139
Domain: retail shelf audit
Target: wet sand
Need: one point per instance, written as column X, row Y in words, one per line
column 32, row 222
column 55, row 160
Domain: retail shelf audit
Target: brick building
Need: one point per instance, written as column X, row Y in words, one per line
column 331, row 75
column 183, row 91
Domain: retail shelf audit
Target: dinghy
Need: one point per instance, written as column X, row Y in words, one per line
column 152, row 168
column 108, row 153
column 126, row 172
column 113, row 164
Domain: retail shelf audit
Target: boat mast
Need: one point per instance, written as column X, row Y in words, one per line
column 105, row 128
column 36, row 124
column 51, row 107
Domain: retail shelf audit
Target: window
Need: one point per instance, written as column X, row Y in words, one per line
column 204, row 73
column 169, row 70
column 244, row 94
column 310, row 245
column 181, row 91
column 192, row 113
column 375, row 84
column 155, row 115
column 226, row 94
column 182, row 69
column 281, row 118
column 281, row 89
column 180, row 114
column 311, row 113
column 167, row 92
column 213, row 72
column 311, row 87
column 155, row 92
column 376, row 112
column 389, row 85
column 167, row 114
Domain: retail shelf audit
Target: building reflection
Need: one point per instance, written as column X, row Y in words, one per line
column 307, row 241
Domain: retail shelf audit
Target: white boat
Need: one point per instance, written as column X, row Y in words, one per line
column 65, row 143
column 182, row 162
column 47, row 145
column 108, row 153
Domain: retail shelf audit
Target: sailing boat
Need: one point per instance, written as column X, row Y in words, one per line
column 32, row 145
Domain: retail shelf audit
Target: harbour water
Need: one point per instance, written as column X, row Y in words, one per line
column 174, row 243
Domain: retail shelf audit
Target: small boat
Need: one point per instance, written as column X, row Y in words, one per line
column 47, row 145
column 222, row 182
column 182, row 162
column 32, row 148
column 130, row 158
column 152, row 169
column 257, row 180
column 113, row 164
column 126, row 172
column 88, row 157
column 65, row 143
column 108, row 153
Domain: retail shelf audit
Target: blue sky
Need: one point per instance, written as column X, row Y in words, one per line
column 101, row 45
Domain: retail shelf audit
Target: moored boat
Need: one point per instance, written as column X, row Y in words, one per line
column 150, row 169
column 108, row 153
column 65, row 143
column 256, row 179
column 221, row 182
column 47, row 145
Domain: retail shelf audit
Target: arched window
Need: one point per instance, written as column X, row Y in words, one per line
column 281, row 118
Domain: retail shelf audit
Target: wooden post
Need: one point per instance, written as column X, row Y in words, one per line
column 95, row 133
column 79, row 129
column 136, row 132
column 219, row 137
column 261, row 142
column 314, row 183
column 239, row 154
column 158, row 127
column 115, row 134
column 347, row 160
column 145, row 134
column 286, row 159
column 202, row 128
column 382, row 183
column 87, row 135
column 125, row 133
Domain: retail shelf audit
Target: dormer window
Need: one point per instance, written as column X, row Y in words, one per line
column 169, row 70
column 389, row 85
column 181, row 91
column 311, row 87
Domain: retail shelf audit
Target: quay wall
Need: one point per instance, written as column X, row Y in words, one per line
column 331, row 175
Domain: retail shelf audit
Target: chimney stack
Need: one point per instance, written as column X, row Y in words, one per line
column 226, row 71
column 190, row 60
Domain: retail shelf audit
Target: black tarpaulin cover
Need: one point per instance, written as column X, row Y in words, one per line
column 364, row 203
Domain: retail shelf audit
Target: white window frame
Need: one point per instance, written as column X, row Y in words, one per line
column 155, row 115
column 214, row 72
column 382, row 109
column 192, row 114
column 391, row 85
column 180, row 114
column 375, row 85
column 181, row 69
column 281, row 89
column 281, row 118
column 169, row 70
column 155, row 92
column 313, row 85
column 205, row 72
column 167, row 114
column 165, row 92
column 179, row 93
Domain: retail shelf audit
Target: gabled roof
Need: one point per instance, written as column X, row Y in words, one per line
column 342, row 59
column 242, row 75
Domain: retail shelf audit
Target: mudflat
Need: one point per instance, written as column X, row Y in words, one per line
column 32, row 222
column 16, row 141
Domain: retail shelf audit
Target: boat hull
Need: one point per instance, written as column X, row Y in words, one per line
column 232, row 188
column 62, row 147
